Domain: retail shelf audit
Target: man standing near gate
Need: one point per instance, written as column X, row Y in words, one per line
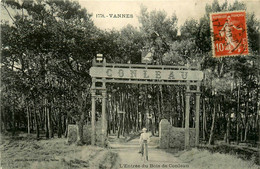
column 144, row 139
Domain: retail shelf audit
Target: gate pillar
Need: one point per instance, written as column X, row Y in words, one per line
column 104, row 116
column 187, row 118
column 93, row 113
column 197, row 118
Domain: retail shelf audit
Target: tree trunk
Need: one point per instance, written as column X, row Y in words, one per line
column 241, row 134
column 113, row 125
column 63, row 124
column 67, row 126
column 237, row 113
column 114, row 120
column 246, row 131
column 257, row 120
column 211, row 140
column 162, row 104
column 59, row 124
column 32, row 119
column 183, row 111
column 49, row 122
column 13, row 118
column 3, row 121
column 159, row 107
column 120, row 124
column 108, row 117
column 128, row 120
column 123, row 128
column 80, row 123
column 36, row 122
column 46, row 123
column 228, row 128
column 42, row 117
column 28, row 120
column 204, row 120
column 135, row 109
column 247, row 115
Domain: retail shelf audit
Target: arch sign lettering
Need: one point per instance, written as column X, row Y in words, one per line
column 150, row 74
column 135, row 72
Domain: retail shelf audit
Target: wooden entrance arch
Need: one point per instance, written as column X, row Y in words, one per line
column 144, row 74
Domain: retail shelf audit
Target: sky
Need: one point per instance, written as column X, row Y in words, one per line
column 184, row 9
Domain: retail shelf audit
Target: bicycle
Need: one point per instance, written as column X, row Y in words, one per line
column 144, row 151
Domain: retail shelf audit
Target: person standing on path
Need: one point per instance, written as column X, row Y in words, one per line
column 144, row 139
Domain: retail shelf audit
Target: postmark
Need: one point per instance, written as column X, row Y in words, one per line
column 229, row 34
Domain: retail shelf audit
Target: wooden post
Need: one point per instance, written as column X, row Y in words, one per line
column 93, row 113
column 197, row 118
column 28, row 119
column 187, row 117
column 197, row 122
column 104, row 119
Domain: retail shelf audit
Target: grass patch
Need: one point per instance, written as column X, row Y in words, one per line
column 111, row 160
column 245, row 153
column 26, row 153
column 205, row 159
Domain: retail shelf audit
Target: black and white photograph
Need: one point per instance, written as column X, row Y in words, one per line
column 131, row 84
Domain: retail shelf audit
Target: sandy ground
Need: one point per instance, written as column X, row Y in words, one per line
column 130, row 158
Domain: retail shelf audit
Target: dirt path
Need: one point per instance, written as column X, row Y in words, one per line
column 130, row 158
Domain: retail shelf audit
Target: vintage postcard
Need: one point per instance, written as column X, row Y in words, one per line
column 130, row 84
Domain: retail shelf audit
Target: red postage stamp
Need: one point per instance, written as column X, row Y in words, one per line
column 229, row 36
